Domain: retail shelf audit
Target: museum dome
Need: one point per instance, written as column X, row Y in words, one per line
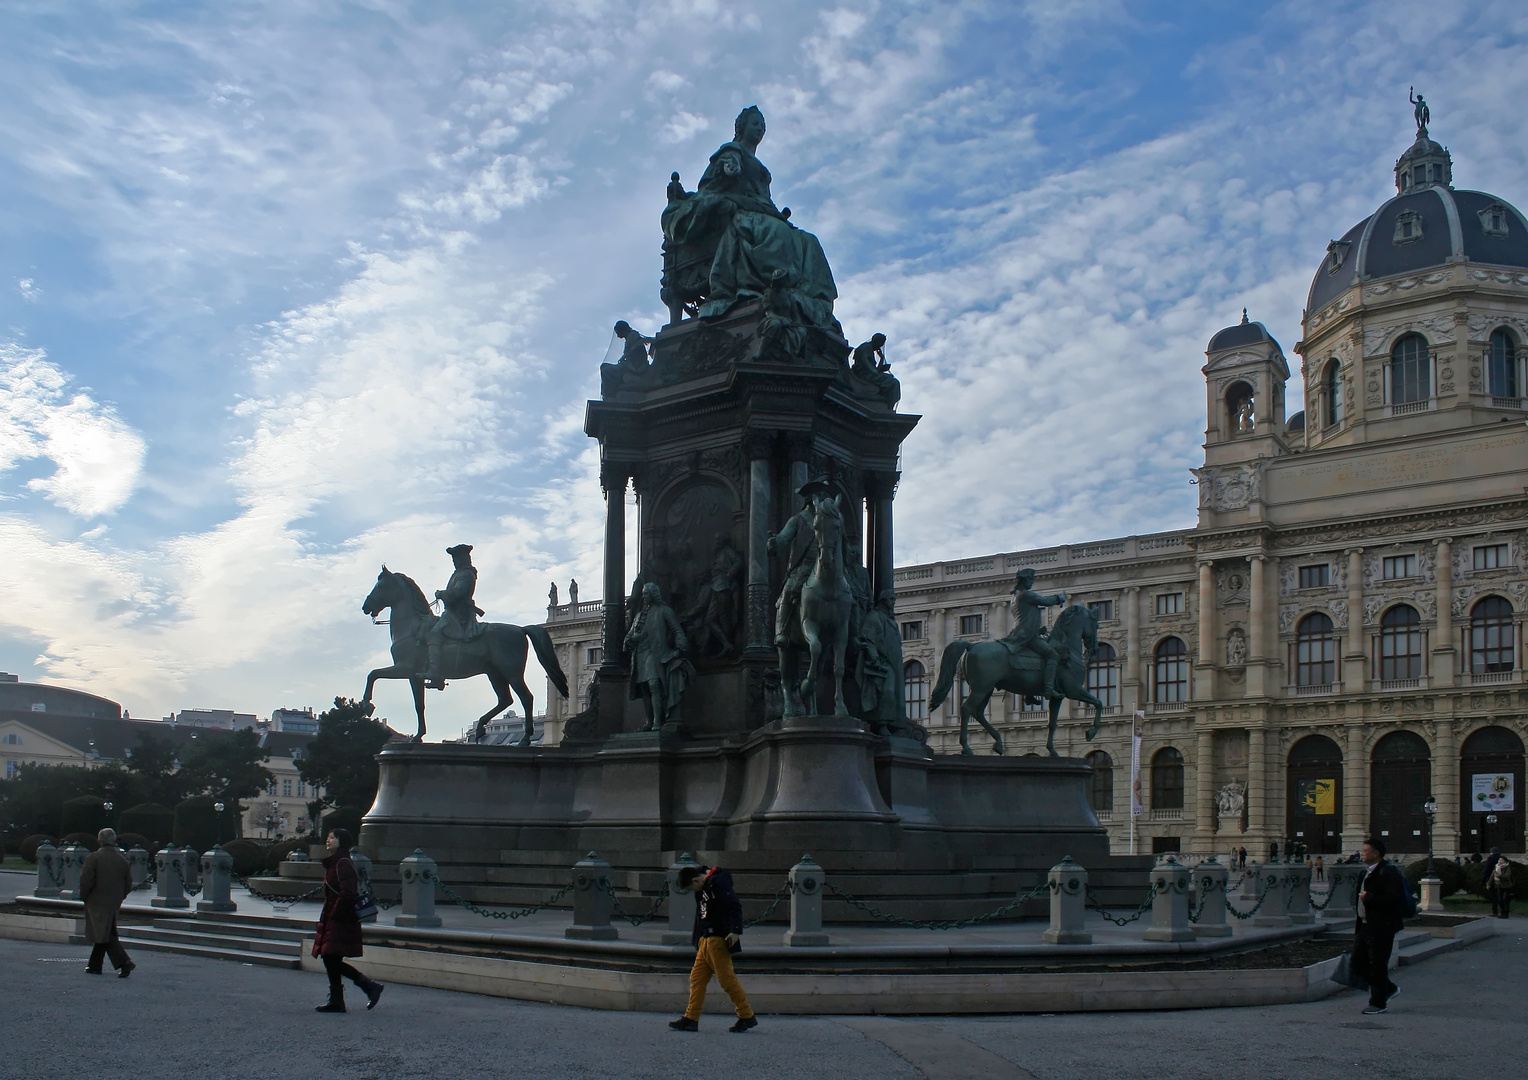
column 1243, row 333
column 1427, row 225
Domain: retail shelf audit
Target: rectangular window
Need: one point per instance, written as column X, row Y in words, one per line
column 912, row 631
column 1491, row 557
column 1103, row 610
column 594, row 656
column 1103, row 682
column 1399, row 566
column 270, row 789
column 11, row 770
column 1170, row 603
column 1315, row 577
column 970, row 624
column 286, row 788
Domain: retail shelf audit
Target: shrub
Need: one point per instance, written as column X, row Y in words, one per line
column 30, row 845
column 248, row 856
column 151, row 820
column 83, row 814
column 199, row 825
column 129, row 840
column 277, row 852
column 1474, row 876
column 343, row 817
column 83, row 839
column 1443, row 869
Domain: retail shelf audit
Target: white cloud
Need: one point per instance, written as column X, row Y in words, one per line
column 97, row 457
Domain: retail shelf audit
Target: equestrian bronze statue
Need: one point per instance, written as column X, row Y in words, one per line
column 816, row 606
column 466, row 646
column 996, row 665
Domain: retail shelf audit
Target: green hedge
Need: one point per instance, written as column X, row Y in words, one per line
column 198, row 824
column 83, row 814
column 248, row 856
column 29, row 846
column 1443, row 869
column 129, row 840
column 83, row 839
column 1474, row 879
column 149, row 819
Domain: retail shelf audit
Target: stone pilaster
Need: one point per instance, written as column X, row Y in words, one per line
column 1444, row 653
column 1353, row 656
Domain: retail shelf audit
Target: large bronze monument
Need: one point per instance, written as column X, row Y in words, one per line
column 749, row 705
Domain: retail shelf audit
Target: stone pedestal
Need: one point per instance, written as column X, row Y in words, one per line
column 1069, row 895
column 806, row 880
column 170, row 879
column 416, row 879
column 1342, row 901
column 1432, row 895
column 681, row 905
column 138, row 864
column 592, row 901
column 1297, row 875
column 191, row 867
column 50, row 879
column 1273, row 892
column 1212, row 879
column 70, row 861
column 217, row 881
column 1169, row 906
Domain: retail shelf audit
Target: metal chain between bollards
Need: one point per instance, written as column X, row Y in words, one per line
column 56, row 872
column 1248, row 915
column 487, row 913
column 1331, row 892
column 1151, row 894
column 937, row 924
column 184, row 887
column 1204, row 899
column 621, row 913
column 785, row 890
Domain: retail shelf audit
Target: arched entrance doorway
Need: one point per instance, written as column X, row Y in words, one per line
column 1491, row 786
column 1314, row 797
column 1400, row 777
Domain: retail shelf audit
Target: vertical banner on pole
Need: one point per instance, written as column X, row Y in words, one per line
column 1136, row 808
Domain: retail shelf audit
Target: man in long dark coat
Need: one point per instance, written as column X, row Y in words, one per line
column 105, row 881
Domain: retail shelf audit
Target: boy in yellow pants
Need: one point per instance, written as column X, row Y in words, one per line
column 718, row 933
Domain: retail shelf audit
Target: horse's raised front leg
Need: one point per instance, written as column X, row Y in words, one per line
column 1050, row 738
column 416, row 684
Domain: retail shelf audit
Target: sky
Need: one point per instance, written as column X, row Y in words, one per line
column 289, row 290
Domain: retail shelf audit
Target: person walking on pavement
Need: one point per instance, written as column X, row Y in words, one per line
column 339, row 928
column 1381, row 909
column 1320, row 868
column 717, row 935
column 1501, row 888
column 105, row 881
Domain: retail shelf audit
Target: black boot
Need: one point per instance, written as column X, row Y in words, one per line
column 434, row 678
column 1050, row 692
column 373, row 990
column 336, row 1002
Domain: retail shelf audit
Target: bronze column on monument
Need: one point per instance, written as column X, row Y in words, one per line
column 760, row 481
column 614, row 478
column 880, row 490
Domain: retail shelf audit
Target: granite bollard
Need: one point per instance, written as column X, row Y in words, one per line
column 1170, row 882
column 681, row 914
column 1273, row 895
column 1249, row 884
column 1068, row 905
column 362, row 864
column 191, row 869
column 50, row 879
column 71, row 860
column 1297, row 875
column 806, row 881
column 592, row 901
column 169, row 876
column 1343, row 880
column 1213, row 878
column 138, row 864
column 217, row 881
column 416, row 877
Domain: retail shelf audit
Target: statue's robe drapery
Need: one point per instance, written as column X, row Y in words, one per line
column 732, row 206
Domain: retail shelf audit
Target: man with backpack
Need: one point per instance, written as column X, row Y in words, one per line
column 1384, row 901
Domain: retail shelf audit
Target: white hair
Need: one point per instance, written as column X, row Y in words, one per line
column 107, row 837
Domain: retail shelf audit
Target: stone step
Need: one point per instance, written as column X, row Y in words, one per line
column 214, row 950
column 270, row 933
column 279, row 922
column 241, row 943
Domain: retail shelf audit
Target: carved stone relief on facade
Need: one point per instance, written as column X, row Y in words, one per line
column 1236, row 647
column 1230, row 487
column 1232, row 585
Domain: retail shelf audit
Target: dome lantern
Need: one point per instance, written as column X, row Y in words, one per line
column 1425, row 164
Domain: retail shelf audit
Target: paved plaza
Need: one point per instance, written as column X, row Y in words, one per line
column 188, row 1017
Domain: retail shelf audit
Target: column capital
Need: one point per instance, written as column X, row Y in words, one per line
column 758, row 444
column 1353, row 551
column 881, row 484
column 614, row 474
column 1442, row 540
column 1257, row 557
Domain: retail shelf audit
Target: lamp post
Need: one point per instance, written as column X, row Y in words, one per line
column 1430, row 808
column 218, row 817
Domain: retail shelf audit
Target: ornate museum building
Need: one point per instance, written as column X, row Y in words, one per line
column 1340, row 637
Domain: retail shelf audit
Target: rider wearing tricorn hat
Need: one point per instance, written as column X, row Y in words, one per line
column 1028, row 629
column 459, row 619
column 801, row 548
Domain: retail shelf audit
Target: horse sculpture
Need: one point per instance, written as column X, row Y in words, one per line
column 827, row 615
column 499, row 652
column 992, row 666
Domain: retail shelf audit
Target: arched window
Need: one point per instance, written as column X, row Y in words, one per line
column 1103, row 676
column 1400, row 643
column 1490, row 780
column 1171, row 671
column 1333, row 384
column 1167, row 779
column 1240, row 406
column 1314, row 795
column 1315, row 651
column 915, row 679
column 1101, row 793
column 1502, row 365
column 1493, row 646
column 1410, row 370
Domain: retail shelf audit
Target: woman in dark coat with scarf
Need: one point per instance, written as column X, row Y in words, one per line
column 339, row 929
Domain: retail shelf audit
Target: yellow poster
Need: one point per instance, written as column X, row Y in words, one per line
column 1318, row 797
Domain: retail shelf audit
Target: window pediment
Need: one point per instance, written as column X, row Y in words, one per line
column 1495, row 220
column 1408, row 227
